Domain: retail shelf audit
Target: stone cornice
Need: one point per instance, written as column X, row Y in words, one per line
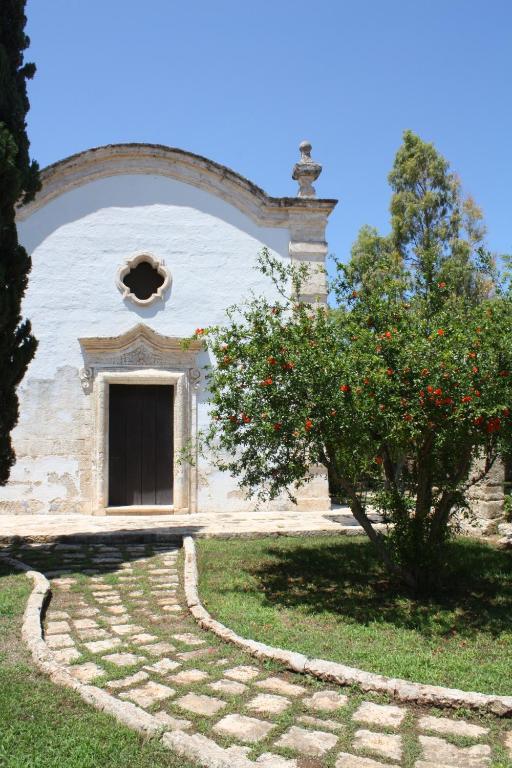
column 139, row 333
column 187, row 167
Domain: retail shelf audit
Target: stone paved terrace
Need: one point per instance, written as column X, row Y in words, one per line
column 43, row 527
column 118, row 619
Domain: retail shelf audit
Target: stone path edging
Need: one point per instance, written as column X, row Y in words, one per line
column 402, row 690
column 194, row 747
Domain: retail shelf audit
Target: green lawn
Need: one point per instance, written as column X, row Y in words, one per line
column 329, row 598
column 44, row 726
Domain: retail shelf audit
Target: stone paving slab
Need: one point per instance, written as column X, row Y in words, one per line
column 306, row 742
column 384, row 744
column 231, row 704
column 242, row 728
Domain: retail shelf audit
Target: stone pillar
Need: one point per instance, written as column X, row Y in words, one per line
column 308, row 246
column 307, row 228
column 486, row 500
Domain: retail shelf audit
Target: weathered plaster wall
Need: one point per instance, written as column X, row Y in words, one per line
column 77, row 241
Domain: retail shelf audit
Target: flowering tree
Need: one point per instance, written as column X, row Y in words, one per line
column 408, row 381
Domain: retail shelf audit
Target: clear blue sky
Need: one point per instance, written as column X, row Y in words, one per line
column 244, row 82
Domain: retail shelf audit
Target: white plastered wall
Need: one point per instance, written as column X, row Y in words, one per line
column 77, row 241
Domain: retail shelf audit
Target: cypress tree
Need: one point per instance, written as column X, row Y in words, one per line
column 19, row 181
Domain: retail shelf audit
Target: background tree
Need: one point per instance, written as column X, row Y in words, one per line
column 18, row 182
column 408, row 380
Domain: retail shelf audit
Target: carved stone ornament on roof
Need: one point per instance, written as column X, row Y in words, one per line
column 143, row 279
column 306, row 171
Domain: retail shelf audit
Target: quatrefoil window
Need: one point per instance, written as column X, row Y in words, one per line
column 143, row 279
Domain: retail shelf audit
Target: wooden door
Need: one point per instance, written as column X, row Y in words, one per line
column 140, row 445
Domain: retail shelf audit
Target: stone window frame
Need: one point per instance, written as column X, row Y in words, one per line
column 184, row 482
column 134, row 261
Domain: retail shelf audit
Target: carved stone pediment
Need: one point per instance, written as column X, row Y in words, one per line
column 140, row 347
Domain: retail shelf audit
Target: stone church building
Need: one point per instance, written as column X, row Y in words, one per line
column 133, row 247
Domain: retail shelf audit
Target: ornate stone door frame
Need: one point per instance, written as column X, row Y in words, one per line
column 142, row 357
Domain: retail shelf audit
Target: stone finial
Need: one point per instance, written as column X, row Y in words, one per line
column 306, row 171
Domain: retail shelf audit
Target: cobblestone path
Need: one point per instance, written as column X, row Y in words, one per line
column 118, row 619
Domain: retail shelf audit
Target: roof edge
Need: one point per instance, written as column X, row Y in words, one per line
column 127, row 158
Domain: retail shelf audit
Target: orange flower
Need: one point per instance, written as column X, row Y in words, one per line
column 441, row 285
column 266, row 382
column 199, row 331
column 379, row 460
column 271, row 360
column 466, row 399
column 345, row 387
column 246, row 419
column 308, row 425
column 440, row 332
column 407, row 417
column 390, row 371
column 475, row 369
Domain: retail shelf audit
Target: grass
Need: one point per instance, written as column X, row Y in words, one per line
column 45, row 726
column 330, row 598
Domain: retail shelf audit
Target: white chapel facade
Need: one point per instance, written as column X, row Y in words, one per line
column 133, row 247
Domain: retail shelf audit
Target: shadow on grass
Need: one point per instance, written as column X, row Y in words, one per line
column 344, row 578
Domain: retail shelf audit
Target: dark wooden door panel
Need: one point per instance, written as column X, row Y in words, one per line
column 140, row 445
column 164, row 441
